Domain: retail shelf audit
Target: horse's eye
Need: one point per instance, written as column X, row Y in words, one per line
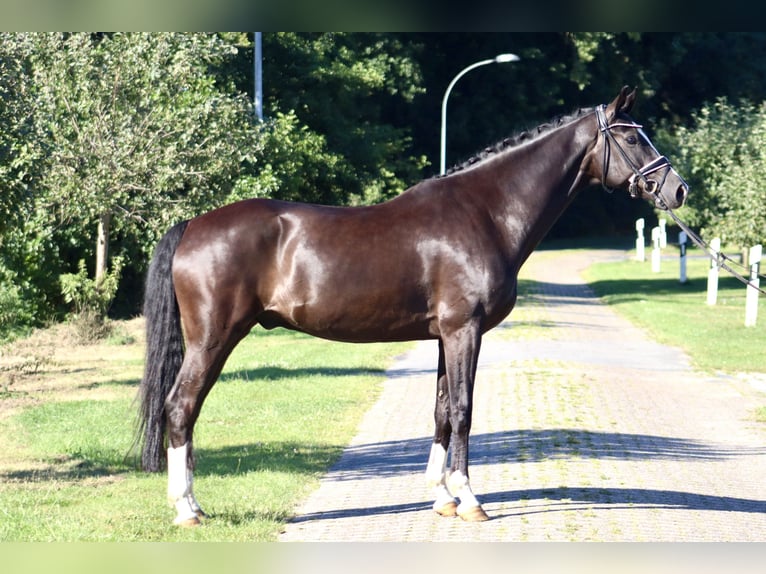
column 632, row 140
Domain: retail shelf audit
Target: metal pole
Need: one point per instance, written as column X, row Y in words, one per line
column 496, row 60
column 258, row 95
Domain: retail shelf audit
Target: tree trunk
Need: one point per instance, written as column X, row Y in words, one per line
column 102, row 244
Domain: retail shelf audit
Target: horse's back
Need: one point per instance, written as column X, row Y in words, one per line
column 338, row 272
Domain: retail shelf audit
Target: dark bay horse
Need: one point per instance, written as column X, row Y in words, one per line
column 439, row 261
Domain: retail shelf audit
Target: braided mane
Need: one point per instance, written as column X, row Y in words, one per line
column 518, row 139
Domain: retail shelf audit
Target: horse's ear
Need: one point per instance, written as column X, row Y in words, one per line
column 623, row 103
column 630, row 98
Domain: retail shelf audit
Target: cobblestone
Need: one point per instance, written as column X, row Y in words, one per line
column 586, row 431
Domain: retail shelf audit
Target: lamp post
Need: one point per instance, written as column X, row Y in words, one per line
column 258, row 77
column 500, row 59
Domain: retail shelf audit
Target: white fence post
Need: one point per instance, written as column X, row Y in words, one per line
column 663, row 234
column 751, row 304
column 712, row 273
column 656, row 250
column 682, row 245
column 640, row 255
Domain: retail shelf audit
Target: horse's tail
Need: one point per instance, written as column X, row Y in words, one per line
column 164, row 350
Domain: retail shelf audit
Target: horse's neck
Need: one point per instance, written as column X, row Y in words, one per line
column 535, row 183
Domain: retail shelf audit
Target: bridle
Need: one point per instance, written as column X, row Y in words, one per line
column 651, row 186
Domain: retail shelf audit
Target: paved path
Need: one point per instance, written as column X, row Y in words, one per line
column 584, row 429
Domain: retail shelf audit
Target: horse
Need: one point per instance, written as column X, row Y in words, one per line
column 439, row 261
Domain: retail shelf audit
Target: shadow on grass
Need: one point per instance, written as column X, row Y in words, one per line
column 394, row 458
column 281, row 373
column 403, row 457
column 288, row 457
column 635, row 289
column 69, row 468
column 618, row 290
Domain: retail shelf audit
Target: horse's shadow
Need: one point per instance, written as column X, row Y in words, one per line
column 564, row 499
column 531, row 445
column 393, row 458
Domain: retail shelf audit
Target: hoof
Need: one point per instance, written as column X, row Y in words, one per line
column 200, row 513
column 187, row 522
column 449, row 509
column 473, row 514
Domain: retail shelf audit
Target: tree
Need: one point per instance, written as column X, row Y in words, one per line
column 351, row 95
column 137, row 134
column 723, row 155
column 20, row 163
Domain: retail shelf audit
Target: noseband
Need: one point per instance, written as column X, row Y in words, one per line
column 639, row 173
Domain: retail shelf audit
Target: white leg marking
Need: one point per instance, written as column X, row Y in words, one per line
column 180, row 485
column 437, row 463
column 435, row 475
column 458, row 483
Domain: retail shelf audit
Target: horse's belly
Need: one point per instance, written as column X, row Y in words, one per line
column 342, row 318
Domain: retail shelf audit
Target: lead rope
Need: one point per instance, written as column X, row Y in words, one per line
column 719, row 258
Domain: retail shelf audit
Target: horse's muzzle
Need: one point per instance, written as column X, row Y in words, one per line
column 668, row 193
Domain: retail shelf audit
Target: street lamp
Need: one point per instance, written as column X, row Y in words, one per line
column 502, row 58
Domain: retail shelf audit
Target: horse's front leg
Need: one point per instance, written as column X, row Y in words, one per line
column 461, row 352
column 445, row 503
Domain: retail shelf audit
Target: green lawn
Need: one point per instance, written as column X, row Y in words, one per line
column 714, row 336
column 282, row 412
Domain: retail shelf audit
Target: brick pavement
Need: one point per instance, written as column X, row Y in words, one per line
column 584, row 430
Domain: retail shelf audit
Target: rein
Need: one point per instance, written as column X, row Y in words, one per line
column 720, row 258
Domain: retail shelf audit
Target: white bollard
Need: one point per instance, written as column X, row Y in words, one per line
column 712, row 273
column 656, row 254
column 640, row 255
column 663, row 234
column 682, row 245
column 751, row 303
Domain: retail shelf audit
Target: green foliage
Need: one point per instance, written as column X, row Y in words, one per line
column 347, row 90
column 91, row 294
column 15, row 310
column 133, row 129
column 723, row 155
column 148, row 129
column 139, row 131
column 18, row 154
column 90, row 298
column 297, row 165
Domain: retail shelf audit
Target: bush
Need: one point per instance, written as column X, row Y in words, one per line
column 15, row 313
column 90, row 299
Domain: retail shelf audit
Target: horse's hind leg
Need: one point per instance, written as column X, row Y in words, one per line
column 445, row 504
column 201, row 367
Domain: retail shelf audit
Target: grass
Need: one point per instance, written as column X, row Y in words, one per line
column 714, row 337
column 281, row 413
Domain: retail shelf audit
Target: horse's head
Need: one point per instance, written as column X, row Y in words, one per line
column 625, row 158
